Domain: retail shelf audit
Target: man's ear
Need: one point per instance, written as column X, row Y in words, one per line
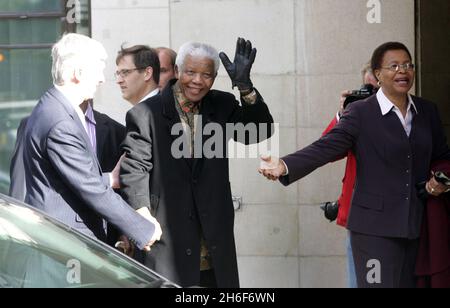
column 177, row 74
column 76, row 75
column 377, row 74
column 148, row 73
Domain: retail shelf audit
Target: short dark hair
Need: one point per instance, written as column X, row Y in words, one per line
column 143, row 57
column 378, row 54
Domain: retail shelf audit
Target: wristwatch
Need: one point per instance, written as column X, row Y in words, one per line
column 250, row 98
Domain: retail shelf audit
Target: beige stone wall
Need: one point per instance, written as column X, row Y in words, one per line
column 308, row 52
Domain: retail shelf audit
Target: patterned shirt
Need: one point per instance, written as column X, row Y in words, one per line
column 188, row 112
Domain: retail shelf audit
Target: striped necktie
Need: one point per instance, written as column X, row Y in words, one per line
column 90, row 125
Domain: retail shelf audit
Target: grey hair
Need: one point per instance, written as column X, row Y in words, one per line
column 367, row 68
column 74, row 51
column 198, row 50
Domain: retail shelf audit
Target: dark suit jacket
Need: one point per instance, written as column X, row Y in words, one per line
column 187, row 196
column 64, row 177
column 389, row 164
column 110, row 135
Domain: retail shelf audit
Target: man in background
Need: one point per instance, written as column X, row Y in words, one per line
column 167, row 59
column 137, row 74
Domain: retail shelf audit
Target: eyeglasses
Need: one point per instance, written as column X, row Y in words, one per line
column 397, row 67
column 125, row 72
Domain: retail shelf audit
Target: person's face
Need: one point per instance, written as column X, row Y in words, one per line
column 395, row 83
column 167, row 69
column 91, row 76
column 196, row 78
column 132, row 82
column 369, row 78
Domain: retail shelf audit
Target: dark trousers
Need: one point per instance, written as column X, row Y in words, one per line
column 382, row 262
column 208, row 279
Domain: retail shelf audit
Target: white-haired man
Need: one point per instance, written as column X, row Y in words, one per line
column 190, row 194
column 63, row 175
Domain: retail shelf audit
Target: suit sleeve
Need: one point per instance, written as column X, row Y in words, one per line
column 255, row 117
column 328, row 129
column 137, row 164
column 330, row 126
column 68, row 154
column 332, row 146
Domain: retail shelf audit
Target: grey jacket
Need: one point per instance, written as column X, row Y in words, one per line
column 64, row 177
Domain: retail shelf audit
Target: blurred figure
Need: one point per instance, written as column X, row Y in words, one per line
column 167, row 59
column 395, row 138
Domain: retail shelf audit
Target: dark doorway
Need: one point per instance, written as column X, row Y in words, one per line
column 433, row 51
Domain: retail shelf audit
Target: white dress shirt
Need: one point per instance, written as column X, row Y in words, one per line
column 386, row 106
column 151, row 94
column 75, row 104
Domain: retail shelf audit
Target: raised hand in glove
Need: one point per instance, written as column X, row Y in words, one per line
column 239, row 70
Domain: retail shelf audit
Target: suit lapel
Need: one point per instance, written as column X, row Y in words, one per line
column 418, row 119
column 59, row 97
column 172, row 118
column 207, row 113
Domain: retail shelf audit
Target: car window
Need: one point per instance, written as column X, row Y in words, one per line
column 37, row 252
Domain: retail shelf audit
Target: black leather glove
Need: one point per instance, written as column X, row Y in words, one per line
column 441, row 177
column 239, row 71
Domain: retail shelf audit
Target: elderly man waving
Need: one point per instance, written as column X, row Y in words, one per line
column 190, row 194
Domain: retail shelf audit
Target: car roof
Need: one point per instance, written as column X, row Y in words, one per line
column 11, row 203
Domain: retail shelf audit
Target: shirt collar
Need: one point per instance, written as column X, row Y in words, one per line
column 67, row 94
column 151, row 94
column 90, row 114
column 73, row 102
column 386, row 105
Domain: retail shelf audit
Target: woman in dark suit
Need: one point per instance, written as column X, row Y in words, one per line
column 395, row 137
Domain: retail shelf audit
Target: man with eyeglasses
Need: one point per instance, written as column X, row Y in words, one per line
column 137, row 74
